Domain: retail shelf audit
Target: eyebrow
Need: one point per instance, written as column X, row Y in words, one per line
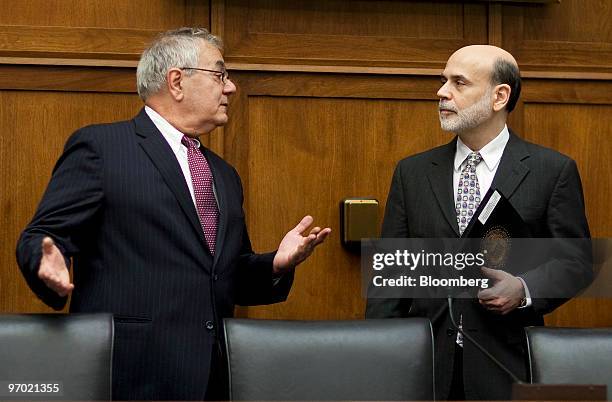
column 455, row 77
column 220, row 64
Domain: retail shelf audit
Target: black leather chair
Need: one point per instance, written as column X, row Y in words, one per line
column 390, row 359
column 74, row 351
column 570, row 356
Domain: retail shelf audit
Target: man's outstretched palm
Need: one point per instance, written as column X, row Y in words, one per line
column 295, row 248
column 53, row 270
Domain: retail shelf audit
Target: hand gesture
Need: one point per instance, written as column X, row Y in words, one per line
column 53, row 271
column 295, row 248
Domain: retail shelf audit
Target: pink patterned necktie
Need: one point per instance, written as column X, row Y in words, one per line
column 202, row 180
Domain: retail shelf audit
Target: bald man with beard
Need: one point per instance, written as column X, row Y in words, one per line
column 480, row 87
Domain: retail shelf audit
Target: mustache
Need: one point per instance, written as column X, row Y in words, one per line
column 447, row 106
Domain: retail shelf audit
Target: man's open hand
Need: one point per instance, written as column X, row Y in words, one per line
column 53, row 270
column 295, row 248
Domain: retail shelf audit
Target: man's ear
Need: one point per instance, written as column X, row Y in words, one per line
column 174, row 79
column 501, row 97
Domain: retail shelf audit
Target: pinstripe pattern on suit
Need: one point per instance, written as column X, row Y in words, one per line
column 118, row 204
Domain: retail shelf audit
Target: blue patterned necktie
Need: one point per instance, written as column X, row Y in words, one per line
column 468, row 193
column 466, row 203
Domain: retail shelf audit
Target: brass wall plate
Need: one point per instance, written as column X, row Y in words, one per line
column 359, row 220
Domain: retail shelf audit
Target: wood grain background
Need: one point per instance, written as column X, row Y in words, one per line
column 331, row 94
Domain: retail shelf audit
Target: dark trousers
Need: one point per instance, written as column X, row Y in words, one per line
column 457, row 393
column 218, row 381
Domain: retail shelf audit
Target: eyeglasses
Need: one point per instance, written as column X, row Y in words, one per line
column 223, row 75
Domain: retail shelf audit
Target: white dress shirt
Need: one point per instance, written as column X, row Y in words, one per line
column 174, row 137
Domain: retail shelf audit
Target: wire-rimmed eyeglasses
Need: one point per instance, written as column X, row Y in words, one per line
column 223, row 74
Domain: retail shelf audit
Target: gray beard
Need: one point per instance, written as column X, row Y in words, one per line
column 468, row 118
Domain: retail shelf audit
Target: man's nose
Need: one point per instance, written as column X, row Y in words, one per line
column 229, row 87
column 443, row 92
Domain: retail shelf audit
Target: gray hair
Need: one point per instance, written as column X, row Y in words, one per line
column 506, row 72
column 171, row 49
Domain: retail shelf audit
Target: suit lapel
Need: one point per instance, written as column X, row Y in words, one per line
column 440, row 177
column 511, row 170
column 509, row 175
column 165, row 161
column 220, row 191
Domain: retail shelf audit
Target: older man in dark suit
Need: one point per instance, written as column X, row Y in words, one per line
column 480, row 87
column 154, row 225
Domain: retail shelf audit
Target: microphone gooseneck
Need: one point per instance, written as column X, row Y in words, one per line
column 478, row 346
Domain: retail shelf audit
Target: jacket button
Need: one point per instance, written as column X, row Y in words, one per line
column 209, row 325
column 450, row 332
column 216, row 277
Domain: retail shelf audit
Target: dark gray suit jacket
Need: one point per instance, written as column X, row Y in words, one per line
column 118, row 204
column 544, row 187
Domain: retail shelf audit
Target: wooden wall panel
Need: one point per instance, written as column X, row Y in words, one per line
column 582, row 312
column 574, row 35
column 90, row 29
column 573, row 117
column 349, row 32
column 331, row 94
column 68, row 78
column 35, row 126
column 581, row 131
column 301, row 153
column 132, row 14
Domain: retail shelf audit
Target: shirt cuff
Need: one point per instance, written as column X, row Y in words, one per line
column 527, row 295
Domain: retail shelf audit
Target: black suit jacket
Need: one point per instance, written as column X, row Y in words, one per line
column 118, row 204
column 544, row 187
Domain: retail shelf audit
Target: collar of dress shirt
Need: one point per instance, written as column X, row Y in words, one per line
column 491, row 153
column 171, row 134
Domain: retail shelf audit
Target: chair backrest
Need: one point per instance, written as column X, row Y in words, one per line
column 570, row 356
column 387, row 359
column 73, row 351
